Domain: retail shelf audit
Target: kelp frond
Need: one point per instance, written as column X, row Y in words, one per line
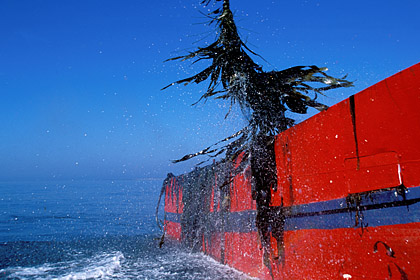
column 266, row 96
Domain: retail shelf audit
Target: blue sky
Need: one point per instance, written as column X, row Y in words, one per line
column 80, row 80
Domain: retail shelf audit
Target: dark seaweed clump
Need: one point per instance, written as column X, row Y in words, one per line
column 263, row 96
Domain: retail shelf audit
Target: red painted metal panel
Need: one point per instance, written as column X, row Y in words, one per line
column 373, row 172
column 213, row 246
column 173, row 230
column 241, row 189
column 173, row 197
column 168, row 199
column 180, row 203
column 215, row 196
column 410, row 172
column 331, row 254
column 243, row 252
column 388, row 119
column 241, row 192
column 361, row 144
column 173, row 204
column 310, row 157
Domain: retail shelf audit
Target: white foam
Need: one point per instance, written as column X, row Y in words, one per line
column 181, row 264
column 27, row 272
column 103, row 266
column 217, row 265
column 171, row 265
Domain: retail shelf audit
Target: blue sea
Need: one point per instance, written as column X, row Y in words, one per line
column 92, row 230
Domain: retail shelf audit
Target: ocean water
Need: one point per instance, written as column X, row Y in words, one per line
column 92, row 230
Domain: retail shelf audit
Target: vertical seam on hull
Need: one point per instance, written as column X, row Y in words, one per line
column 353, row 121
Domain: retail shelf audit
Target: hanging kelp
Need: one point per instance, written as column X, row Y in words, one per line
column 269, row 220
column 264, row 97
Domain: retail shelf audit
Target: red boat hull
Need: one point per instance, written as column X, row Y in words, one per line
column 349, row 188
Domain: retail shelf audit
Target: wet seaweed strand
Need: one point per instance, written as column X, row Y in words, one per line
column 264, row 98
